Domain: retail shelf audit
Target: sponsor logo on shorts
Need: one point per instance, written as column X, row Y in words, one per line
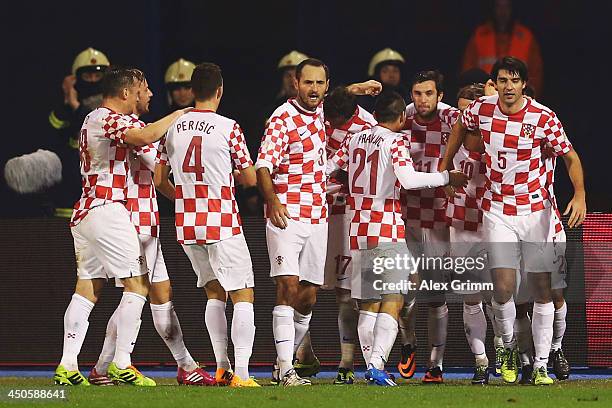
column 280, row 259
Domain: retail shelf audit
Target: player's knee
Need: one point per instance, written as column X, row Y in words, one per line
column 160, row 292
column 137, row 284
column 242, row 295
column 502, row 294
column 214, row 290
column 343, row 296
column 286, row 290
column 558, row 298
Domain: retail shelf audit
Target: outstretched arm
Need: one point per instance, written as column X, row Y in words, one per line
column 577, row 206
column 370, row 87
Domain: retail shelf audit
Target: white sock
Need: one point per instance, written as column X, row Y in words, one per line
column 301, row 324
column 522, row 333
column 385, row 332
column 365, row 330
column 110, row 344
column 542, row 330
column 75, row 328
column 168, row 327
column 505, row 314
column 475, row 324
column 216, row 324
column 559, row 326
column 407, row 323
column 348, row 316
column 284, row 336
column 437, row 324
column 128, row 325
column 243, row 336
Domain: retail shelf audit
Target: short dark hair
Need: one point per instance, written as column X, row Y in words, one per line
column 389, row 106
column 205, row 81
column 339, row 103
column 429, row 75
column 118, row 78
column 312, row 62
column 471, row 92
column 511, row 64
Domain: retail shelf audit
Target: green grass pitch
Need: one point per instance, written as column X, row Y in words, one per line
column 458, row 393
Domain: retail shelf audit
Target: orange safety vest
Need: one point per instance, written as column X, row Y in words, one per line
column 486, row 45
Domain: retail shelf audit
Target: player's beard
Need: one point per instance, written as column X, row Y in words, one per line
column 306, row 102
column 429, row 114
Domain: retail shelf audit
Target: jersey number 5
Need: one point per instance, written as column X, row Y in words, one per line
column 359, row 156
column 194, row 150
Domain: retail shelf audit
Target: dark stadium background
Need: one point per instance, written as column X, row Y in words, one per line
column 247, row 39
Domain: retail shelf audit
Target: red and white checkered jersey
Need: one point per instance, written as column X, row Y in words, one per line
column 463, row 211
column 516, row 175
column 293, row 149
column 201, row 148
column 426, row 208
column 141, row 196
column 361, row 120
column 370, row 158
column 104, row 158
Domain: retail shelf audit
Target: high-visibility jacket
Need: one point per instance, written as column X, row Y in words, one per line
column 485, row 40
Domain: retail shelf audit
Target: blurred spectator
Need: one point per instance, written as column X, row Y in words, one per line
column 502, row 35
column 286, row 67
column 386, row 67
column 82, row 94
column 178, row 83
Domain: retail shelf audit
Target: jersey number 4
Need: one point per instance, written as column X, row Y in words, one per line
column 359, row 158
column 194, row 151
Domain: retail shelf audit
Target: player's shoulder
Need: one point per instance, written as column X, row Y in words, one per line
column 486, row 100
column 365, row 117
column 224, row 121
column 283, row 111
column 537, row 107
column 101, row 113
column 99, row 117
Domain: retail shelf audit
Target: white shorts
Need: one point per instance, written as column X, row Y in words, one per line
column 298, row 250
column 338, row 259
column 519, row 240
column 469, row 245
column 370, row 280
column 106, row 244
column 430, row 243
column 227, row 261
column 156, row 265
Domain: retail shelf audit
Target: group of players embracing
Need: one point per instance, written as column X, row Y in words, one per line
column 343, row 189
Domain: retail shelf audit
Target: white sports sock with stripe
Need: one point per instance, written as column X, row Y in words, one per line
column 365, row 330
column 75, row 329
column 128, row 325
